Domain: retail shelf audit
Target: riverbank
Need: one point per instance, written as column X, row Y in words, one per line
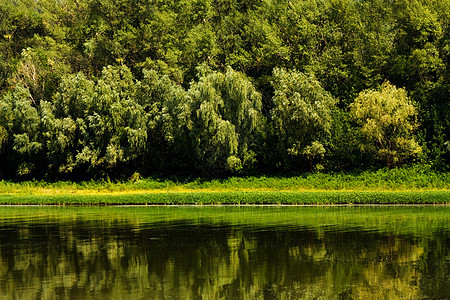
column 396, row 186
column 234, row 198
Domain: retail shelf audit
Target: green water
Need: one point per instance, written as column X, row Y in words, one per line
column 225, row 252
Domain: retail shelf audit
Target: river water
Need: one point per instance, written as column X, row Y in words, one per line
column 337, row 252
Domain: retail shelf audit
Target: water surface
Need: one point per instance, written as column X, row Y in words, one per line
column 225, row 252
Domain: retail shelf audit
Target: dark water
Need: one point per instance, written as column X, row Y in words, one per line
column 225, row 253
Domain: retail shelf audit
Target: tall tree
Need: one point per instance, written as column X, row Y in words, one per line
column 166, row 105
column 21, row 133
column 388, row 120
column 301, row 115
column 225, row 113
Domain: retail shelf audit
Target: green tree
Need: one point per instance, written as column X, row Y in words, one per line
column 301, row 115
column 166, row 105
column 37, row 71
column 388, row 120
column 21, row 132
column 19, row 23
column 419, row 41
column 65, row 119
column 433, row 105
column 96, row 127
column 225, row 113
column 115, row 132
column 344, row 152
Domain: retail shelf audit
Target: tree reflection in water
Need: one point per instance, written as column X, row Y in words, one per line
column 274, row 254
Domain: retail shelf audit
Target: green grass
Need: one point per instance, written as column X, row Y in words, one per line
column 412, row 185
column 241, row 198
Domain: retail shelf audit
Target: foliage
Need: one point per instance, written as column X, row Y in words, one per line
column 237, row 198
column 109, row 88
column 21, row 134
column 388, row 120
column 416, row 178
column 166, row 105
column 225, row 113
column 344, row 150
column 95, row 125
column 301, row 114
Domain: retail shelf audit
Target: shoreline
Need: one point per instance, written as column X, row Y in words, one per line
column 230, row 205
column 234, row 197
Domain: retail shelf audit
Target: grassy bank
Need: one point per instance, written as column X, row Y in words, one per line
column 397, row 186
column 233, row 197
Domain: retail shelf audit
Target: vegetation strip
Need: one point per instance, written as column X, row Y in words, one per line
column 237, row 197
column 386, row 186
column 124, row 88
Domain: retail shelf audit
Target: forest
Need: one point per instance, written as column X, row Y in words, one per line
column 112, row 88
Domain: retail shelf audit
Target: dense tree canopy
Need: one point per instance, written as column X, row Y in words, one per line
column 121, row 86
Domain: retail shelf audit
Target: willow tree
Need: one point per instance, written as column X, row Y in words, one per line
column 388, row 120
column 166, row 106
column 301, row 115
column 115, row 134
column 64, row 118
column 20, row 131
column 225, row 112
column 98, row 127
